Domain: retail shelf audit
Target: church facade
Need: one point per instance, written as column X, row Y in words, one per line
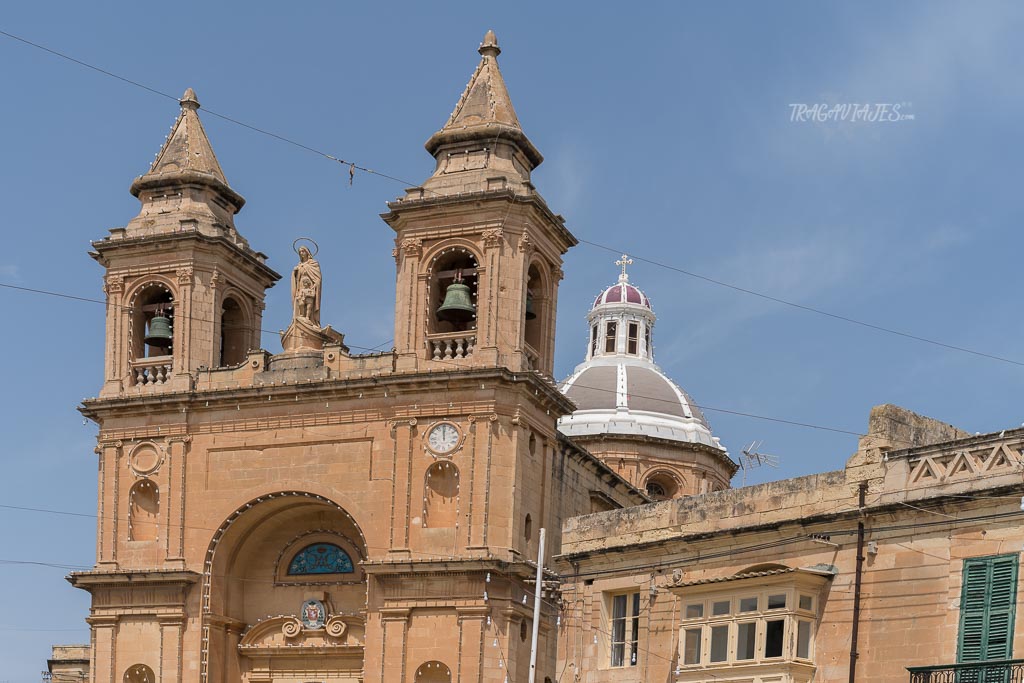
column 319, row 515
column 316, row 515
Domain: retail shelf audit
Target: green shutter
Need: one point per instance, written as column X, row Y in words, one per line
column 987, row 608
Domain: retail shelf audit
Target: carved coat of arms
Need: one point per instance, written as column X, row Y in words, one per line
column 313, row 614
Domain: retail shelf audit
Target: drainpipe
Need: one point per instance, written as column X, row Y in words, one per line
column 857, row 582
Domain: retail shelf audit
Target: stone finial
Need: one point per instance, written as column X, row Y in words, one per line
column 189, row 100
column 489, row 48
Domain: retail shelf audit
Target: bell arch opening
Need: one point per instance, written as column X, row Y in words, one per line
column 536, row 315
column 235, row 333
column 261, row 566
column 452, row 291
column 151, row 329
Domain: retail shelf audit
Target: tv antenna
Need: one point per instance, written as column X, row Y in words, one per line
column 752, row 458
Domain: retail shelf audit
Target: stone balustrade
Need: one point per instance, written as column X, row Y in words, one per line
column 450, row 345
column 151, row 371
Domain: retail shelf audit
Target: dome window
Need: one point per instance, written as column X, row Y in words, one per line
column 610, row 332
column 633, row 339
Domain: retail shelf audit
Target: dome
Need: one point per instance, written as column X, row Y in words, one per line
column 630, row 396
column 622, row 292
column 618, row 389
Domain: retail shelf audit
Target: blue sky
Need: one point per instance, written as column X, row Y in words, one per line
column 667, row 133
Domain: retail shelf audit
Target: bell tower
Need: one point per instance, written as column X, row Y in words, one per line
column 478, row 251
column 184, row 289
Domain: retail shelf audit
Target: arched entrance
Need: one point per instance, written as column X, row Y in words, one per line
column 284, row 595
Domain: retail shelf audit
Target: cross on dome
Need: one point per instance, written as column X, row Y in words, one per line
column 624, row 261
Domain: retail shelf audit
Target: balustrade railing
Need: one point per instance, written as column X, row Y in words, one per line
column 450, row 345
column 151, row 371
column 994, row 671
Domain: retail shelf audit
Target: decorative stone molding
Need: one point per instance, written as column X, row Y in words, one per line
column 557, row 273
column 965, row 464
column 525, row 243
column 184, row 275
column 492, row 238
column 215, row 279
column 114, row 284
column 412, row 247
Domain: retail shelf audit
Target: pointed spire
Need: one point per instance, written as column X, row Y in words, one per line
column 187, row 156
column 485, row 112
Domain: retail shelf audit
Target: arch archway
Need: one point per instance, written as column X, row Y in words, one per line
column 441, row 495
column 143, row 511
column 433, row 672
column 662, row 485
column 253, row 609
column 139, row 673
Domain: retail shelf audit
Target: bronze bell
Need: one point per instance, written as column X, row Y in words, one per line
column 458, row 305
column 159, row 331
column 530, row 313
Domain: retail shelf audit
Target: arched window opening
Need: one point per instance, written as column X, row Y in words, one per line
column 234, row 334
column 320, row 558
column 633, row 339
column 453, row 291
column 143, row 511
column 139, row 673
column 662, row 486
column 441, row 495
column 536, row 303
column 528, row 528
column 433, row 672
column 524, row 630
column 152, row 330
column 610, row 333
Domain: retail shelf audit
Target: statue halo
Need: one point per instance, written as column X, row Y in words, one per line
column 316, row 247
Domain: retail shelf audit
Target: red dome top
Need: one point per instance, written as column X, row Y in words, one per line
column 622, row 293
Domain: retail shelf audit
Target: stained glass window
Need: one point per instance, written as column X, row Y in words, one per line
column 320, row 558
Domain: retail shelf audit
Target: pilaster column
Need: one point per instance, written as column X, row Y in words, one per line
column 395, row 627
column 104, row 656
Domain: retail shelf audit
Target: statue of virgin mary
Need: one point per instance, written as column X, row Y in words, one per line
column 307, row 283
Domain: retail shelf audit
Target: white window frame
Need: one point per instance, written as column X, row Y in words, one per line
column 700, row 599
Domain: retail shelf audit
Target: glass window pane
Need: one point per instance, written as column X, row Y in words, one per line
column 719, row 643
column 748, row 604
column 609, row 341
column 618, row 607
column 719, row 608
column 695, row 611
column 618, row 653
column 777, row 601
column 691, row 646
column 773, row 637
column 803, row 639
column 806, row 602
column 745, row 640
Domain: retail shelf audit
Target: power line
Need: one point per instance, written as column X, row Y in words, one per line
column 683, row 271
column 795, row 423
column 809, row 309
column 191, row 318
column 224, row 117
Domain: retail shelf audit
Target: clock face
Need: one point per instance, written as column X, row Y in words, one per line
column 443, row 438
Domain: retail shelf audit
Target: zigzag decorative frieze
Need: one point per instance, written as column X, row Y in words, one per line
column 965, row 464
